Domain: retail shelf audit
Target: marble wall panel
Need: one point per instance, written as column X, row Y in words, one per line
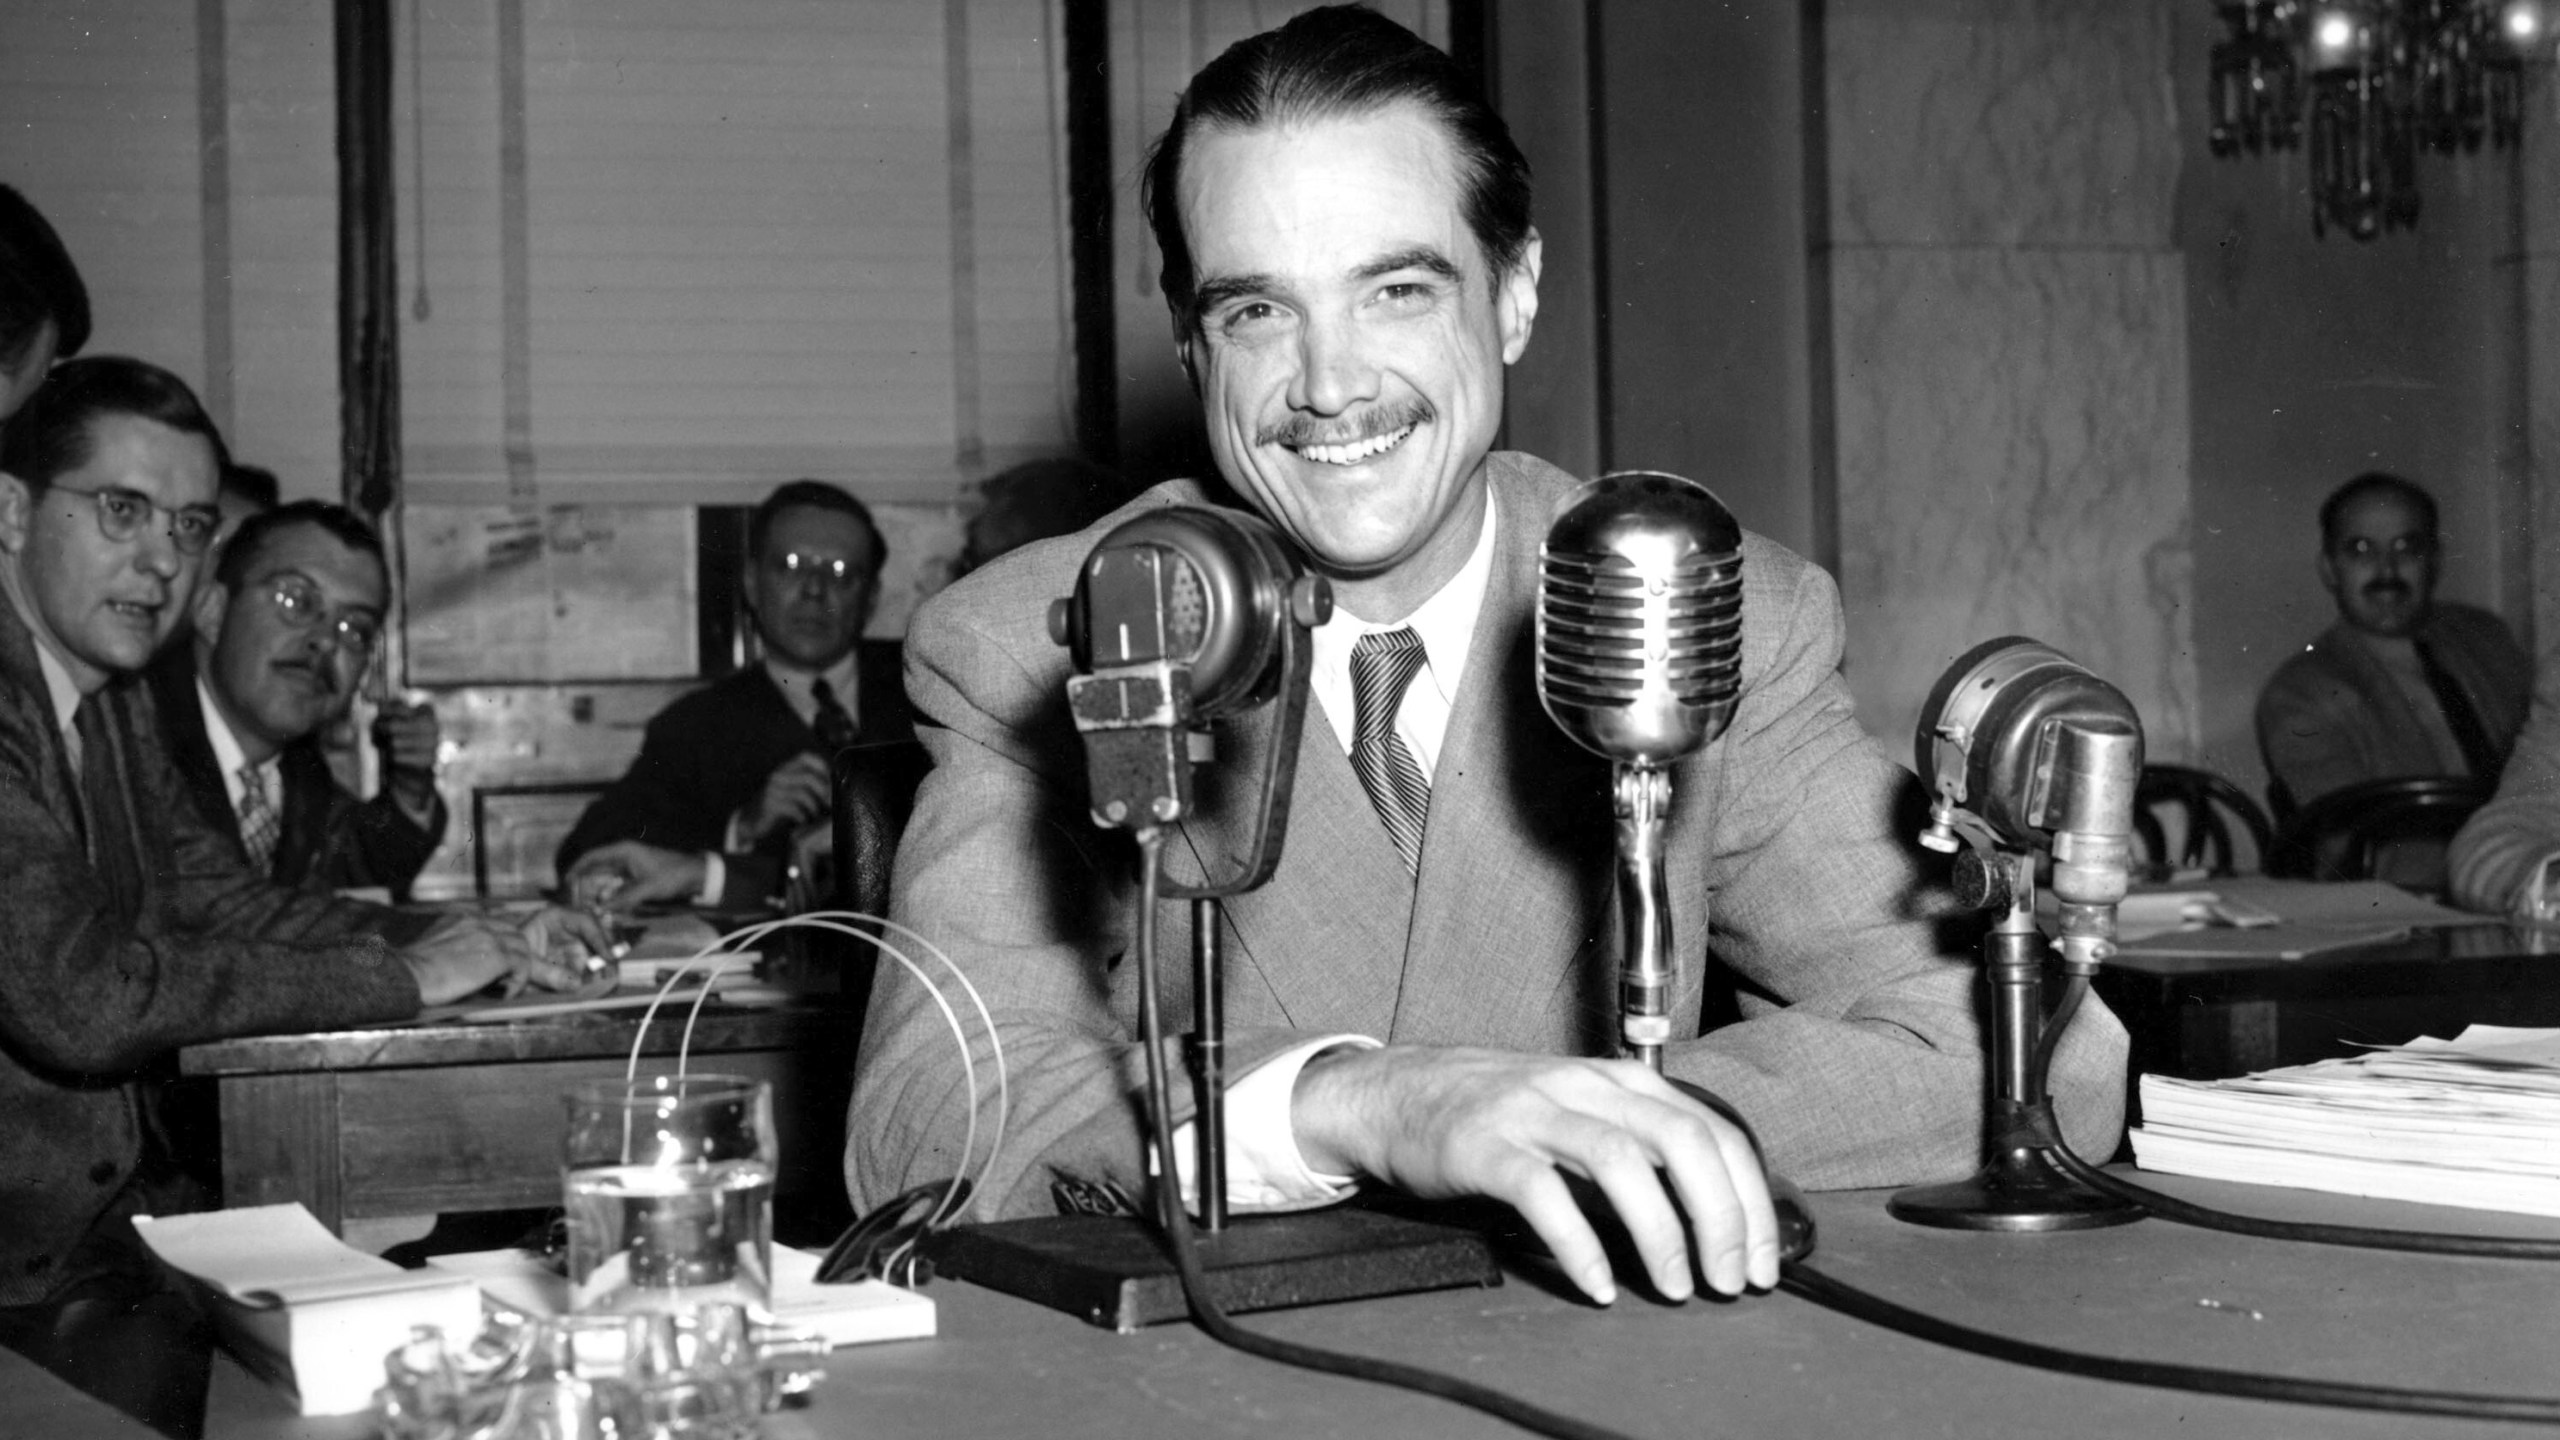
column 2013, row 460
column 2033, row 122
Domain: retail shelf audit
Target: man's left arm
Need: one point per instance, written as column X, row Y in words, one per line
column 1860, row 1057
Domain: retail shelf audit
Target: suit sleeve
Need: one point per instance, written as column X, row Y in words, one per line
column 87, row 991
column 2308, row 729
column 1860, row 1054
column 374, row 842
column 2497, row 850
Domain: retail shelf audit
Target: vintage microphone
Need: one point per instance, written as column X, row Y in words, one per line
column 1640, row 661
column 2024, row 752
column 1183, row 616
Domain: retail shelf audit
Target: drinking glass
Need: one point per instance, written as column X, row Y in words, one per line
column 668, row 1182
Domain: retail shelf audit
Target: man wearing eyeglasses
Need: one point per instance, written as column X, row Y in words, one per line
column 2401, row 686
column 730, row 778
column 284, row 630
column 131, row 927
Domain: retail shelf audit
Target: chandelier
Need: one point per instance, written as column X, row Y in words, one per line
column 2372, row 82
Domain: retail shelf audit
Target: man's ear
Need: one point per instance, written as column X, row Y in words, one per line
column 1186, row 341
column 2328, row 570
column 1515, row 299
column 211, row 605
column 17, row 512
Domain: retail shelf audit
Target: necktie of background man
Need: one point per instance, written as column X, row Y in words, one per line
column 2461, row 718
column 834, row 725
column 102, row 798
column 1381, row 666
column 259, row 822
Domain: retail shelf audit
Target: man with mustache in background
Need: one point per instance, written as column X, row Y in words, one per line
column 2401, row 686
column 284, row 628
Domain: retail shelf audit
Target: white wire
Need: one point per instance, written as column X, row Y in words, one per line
column 833, row 920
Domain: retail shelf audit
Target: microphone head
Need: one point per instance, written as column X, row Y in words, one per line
column 2030, row 742
column 1187, row 585
column 1640, row 616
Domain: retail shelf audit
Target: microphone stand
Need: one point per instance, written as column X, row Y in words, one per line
column 1643, row 802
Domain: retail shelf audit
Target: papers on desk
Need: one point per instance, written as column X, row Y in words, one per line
column 2251, row 917
column 300, row 1308
column 638, row 979
column 854, row 1314
column 2473, row 1121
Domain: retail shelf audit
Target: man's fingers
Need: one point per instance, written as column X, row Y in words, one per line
column 1539, row 1194
column 1623, row 1167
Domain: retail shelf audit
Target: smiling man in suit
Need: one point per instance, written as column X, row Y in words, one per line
column 1351, row 268
column 283, row 632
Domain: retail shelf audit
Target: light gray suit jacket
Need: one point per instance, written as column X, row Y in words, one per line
column 1858, row 1054
column 2499, row 848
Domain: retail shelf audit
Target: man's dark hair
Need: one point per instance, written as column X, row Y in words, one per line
column 817, row 495
column 1336, row 62
column 253, row 483
column 240, row 557
column 2374, row 482
column 38, row 282
column 50, row 434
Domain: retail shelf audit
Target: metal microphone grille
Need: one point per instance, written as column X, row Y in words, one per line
column 1640, row 617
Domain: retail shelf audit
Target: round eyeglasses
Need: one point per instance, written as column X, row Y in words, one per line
column 299, row 604
column 122, row 513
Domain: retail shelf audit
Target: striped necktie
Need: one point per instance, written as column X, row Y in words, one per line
column 834, row 724
column 259, row 823
column 1381, row 666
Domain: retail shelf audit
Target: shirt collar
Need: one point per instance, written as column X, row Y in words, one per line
column 227, row 754
column 844, row 677
column 1445, row 623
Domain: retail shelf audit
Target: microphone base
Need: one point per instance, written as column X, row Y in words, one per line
column 1116, row 1272
column 2020, row 1191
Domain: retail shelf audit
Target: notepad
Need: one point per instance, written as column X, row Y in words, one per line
column 302, row 1309
column 855, row 1314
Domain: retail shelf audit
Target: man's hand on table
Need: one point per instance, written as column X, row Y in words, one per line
column 461, row 955
column 630, row 873
column 1449, row 1122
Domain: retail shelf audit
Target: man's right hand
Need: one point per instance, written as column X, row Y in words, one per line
column 1440, row 1123
column 462, row 955
column 794, row 792
column 631, row 873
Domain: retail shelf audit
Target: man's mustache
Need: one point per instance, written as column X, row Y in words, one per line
column 2379, row 588
column 1300, row 431
column 325, row 677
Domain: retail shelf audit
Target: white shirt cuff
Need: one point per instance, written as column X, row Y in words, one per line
column 715, row 878
column 1264, row 1169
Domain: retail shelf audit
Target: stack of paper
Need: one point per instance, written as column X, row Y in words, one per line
column 854, row 1314
column 302, row 1309
column 2472, row 1121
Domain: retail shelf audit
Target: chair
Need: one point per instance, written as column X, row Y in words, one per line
column 2352, row 834
column 2207, row 809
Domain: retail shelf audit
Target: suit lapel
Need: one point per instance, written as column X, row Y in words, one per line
column 1323, row 936
column 1514, row 884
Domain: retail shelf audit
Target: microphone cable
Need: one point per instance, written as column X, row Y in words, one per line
column 1176, row 1224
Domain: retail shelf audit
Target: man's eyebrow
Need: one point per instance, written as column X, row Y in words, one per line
column 1420, row 257
column 1217, row 291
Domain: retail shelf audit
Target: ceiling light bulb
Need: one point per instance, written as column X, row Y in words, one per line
column 2333, row 37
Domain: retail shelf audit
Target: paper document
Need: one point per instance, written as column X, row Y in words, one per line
column 302, row 1309
column 2473, row 1121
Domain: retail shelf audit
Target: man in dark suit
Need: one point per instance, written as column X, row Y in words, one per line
column 2402, row 685
column 730, row 777
column 128, row 927
column 283, row 633
column 1416, row 995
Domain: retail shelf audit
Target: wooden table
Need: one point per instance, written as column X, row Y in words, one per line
column 434, row 1118
column 2204, row 1018
column 1768, row 1366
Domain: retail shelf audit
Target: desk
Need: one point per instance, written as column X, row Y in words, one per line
column 1768, row 1366
column 432, row 1118
column 2205, row 1018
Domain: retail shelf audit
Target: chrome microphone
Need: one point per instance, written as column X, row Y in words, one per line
column 1640, row 661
